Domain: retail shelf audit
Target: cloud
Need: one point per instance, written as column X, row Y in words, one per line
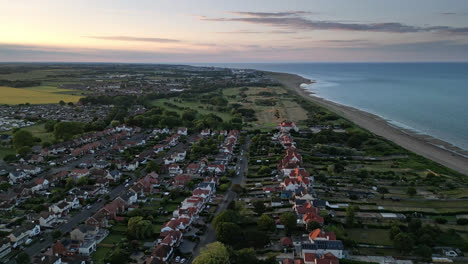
column 130, row 38
column 301, row 23
column 272, row 14
column 246, row 31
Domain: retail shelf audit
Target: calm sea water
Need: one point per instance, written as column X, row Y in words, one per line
column 428, row 98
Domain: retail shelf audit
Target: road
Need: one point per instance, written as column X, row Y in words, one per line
column 36, row 248
column 241, row 167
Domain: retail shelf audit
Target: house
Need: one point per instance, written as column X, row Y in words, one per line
column 276, row 202
column 205, row 132
column 5, row 247
column 328, row 258
column 101, row 164
column 35, row 159
column 59, row 249
column 311, row 217
column 97, row 220
column 181, row 180
column 162, row 252
column 159, row 148
column 217, row 169
column 87, row 247
column 322, row 247
column 60, row 209
column 113, row 175
column 40, row 184
column 47, row 219
column 44, row 259
column 79, row 173
column 174, row 170
column 17, row 176
column 30, row 169
column 19, row 236
column 318, row 234
column 82, row 231
column 287, row 126
column 34, row 229
column 147, row 184
column 193, row 169
column 173, row 238
column 113, row 208
column 182, row 131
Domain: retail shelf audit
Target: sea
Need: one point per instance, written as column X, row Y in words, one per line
column 425, row 98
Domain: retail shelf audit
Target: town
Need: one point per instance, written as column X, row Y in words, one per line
column 180, row 164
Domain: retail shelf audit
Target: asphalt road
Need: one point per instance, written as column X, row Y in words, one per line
column 241, row 167
column 36, row 248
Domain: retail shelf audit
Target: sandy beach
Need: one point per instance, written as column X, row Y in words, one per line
column 420, row 144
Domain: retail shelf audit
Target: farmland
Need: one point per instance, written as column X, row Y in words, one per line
column 36, row 95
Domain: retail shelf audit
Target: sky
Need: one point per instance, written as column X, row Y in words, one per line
column 209, row 31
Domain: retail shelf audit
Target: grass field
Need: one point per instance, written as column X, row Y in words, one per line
column 6, row 151
column 40, row 132
column 373, row 236
column 36, row 95
column 100, row 254
column 267, row 116
column 192, row 105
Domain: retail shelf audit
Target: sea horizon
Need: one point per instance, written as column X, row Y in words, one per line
column 425, row 99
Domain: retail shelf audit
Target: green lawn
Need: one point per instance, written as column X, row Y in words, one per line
column 195, row 105
column 373, row 236
column 113, row 238
column 40, row 132
column 6, row 151
column 100, row 254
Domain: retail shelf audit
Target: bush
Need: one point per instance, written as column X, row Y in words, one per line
column 224, row 187
column 440, row 220
column 462, row 221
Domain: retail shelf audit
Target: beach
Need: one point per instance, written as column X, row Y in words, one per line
column 429, row 147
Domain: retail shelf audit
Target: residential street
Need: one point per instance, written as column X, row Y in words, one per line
column 241, row 167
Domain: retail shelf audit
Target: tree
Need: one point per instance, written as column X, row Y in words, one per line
column 22, row 138
column 23, row 258
column 23, row 151
column 403, row 242
column 61, row 102
column 289, row 220
column 266, row 223
column 229, row 233
column 350, row 212
column 66, row 130
column 152, row 166
column 56, row 234
column 382, row 190
column 423, row 251
column 411, row 191
column 394, row 231
column 139, row 228
column 115, row 123
column 49, row 125
column 313, row 225
column 214, row 253
column 245, row 256
column 259, row 207
column 226, row 216
column 83, row 181
column 119, row 255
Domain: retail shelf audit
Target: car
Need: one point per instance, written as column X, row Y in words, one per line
column 42, row 239
column 182, row 260
column 89, row 206
column 177, row 259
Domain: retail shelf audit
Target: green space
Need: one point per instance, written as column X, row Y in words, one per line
column 371, row 236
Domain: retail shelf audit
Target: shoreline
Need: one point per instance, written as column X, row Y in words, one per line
column 432, row 148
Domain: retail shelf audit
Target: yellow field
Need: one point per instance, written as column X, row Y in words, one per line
column 35, row 95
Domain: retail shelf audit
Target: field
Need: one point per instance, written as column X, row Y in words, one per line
column 193, row 105
column 372, row 236
column 6, row 151
column 36, row 95
column 40, row 132
column 285, row 107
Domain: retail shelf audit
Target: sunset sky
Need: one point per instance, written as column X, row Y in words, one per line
column 155, row 31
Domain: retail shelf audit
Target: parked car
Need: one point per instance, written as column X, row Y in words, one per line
column 177, row 259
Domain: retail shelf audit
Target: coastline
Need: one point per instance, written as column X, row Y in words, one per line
column 424, row 145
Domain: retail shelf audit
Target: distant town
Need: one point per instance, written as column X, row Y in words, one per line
column 155, row 164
